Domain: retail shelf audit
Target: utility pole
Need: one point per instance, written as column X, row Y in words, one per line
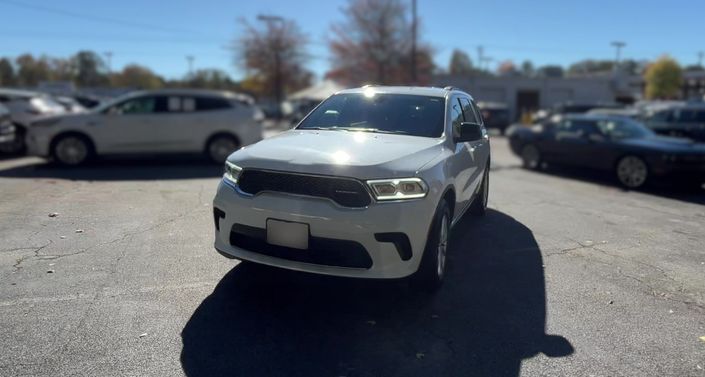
column 189, row 59
column 413, row 42
column 480, row 57
column 618, row 46
column 278, row 79
column 700, row 58
column 109, row 59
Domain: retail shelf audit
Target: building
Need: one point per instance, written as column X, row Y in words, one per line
column 530, row 93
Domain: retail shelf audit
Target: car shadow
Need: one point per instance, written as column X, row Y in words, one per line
column 133, row 168
column 666, row 187
column 489, row 315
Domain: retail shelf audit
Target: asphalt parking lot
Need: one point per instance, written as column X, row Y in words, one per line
column 566, row 275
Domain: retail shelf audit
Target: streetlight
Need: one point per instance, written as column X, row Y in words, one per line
column 278, row 82
column 618, row 46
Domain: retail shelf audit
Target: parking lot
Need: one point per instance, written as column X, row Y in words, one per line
column 109, row 270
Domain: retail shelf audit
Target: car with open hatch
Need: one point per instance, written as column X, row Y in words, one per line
column 367, row 185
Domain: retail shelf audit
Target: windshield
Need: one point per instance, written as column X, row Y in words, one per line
column 623, row 129
column 46, row 105
column 383, row 113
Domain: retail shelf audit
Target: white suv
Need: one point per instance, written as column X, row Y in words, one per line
column 151, row 122
column 367, row 185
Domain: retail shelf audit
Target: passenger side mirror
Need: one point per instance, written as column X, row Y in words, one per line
column 469, row 131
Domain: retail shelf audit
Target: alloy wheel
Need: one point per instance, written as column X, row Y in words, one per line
column 530, row 156
column 220, row 148
column 632, row 171
column 71, row 150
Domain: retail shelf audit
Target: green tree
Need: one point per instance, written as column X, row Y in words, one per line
column 460, row 63
column 210, row 79
column 552, row 71
column 90, row 69
column 527, row 68
column 7, row 73
column 31, row 71
column 136, row 76
column 664, row 79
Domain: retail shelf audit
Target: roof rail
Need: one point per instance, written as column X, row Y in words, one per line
column 450, row 87
column 368, row 85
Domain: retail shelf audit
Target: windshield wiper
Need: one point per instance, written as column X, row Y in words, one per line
column 355, row 129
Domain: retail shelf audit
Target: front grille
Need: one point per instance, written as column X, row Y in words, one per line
column 323, row 251
column 347, row 192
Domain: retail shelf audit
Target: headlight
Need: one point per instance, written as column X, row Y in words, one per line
column 232, row 172
column 396, row 189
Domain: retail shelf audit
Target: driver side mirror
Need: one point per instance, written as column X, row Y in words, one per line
column 469, row 131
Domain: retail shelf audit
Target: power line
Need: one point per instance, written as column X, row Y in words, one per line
column 95, row 18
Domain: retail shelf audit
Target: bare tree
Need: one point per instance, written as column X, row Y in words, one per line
column 374, row 45
column 274, row 56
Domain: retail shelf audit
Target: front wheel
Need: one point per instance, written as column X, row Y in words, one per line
column 530, row 157
column 632, row 172
column 71, row 150
column 220, row 147
column 431, row 272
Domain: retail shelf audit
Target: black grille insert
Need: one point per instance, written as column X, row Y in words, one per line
column 347, row 192
column 324, row 251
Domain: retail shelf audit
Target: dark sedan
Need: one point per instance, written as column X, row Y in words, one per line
column 633, row 152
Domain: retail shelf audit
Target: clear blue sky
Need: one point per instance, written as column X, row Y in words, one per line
column 159, row 34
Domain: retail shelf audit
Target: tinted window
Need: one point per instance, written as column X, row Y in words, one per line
column 700, row 116
column 623, row 129
column 684, row 116
column 579, row 126
column 468, row 111
column 211, row 103
column 141, row 105
column 456, row 117
column 394, row 113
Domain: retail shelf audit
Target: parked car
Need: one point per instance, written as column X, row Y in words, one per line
column 367, row 185
column 70, row 104
column 685, row 120
column 150, row 122
column 87, row 101
column 634, row 153
column 495, row 115
column 26, row 106
column 7, row 130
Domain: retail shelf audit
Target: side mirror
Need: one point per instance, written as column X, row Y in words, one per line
column 469, row 131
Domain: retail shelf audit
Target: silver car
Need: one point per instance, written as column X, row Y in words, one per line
column 367, row 185
column 151, row 122
column 25, row 106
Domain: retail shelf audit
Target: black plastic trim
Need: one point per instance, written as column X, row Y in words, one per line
column 400, row 241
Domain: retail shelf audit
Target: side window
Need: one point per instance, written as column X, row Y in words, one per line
column 140, row 105
column 211, row 103
column 173, row 104
column 468, row 111
column 684, row 116
column 662, row 116
column 700, row 116
column 585, row 127
column 478, row 113
column 456, row 116
column 188, row 104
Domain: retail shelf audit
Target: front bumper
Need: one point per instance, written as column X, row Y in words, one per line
column 334, row 229
column 37, row 143
column 7, row 133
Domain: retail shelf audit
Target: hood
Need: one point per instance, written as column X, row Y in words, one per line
column 361, row 155
column 666, row 144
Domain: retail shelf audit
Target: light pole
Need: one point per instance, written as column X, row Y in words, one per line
column 413, row 42
column 109, row 58
column 618, row 47
column 189, row 59
column 278, row 81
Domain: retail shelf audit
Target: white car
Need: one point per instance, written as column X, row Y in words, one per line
column 151, row 122
column 367, row 185
column 26, row 106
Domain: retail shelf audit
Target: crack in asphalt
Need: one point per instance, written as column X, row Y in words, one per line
column 35, row 250
column 651, row 288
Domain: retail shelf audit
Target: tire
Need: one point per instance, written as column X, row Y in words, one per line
column 72, row 150
column 531, row 157
column 429, row 276
column 220, row 147
column 479, row 204
column 632, row 172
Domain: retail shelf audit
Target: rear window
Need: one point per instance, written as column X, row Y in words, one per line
column 211, row 103
column 383, row 113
